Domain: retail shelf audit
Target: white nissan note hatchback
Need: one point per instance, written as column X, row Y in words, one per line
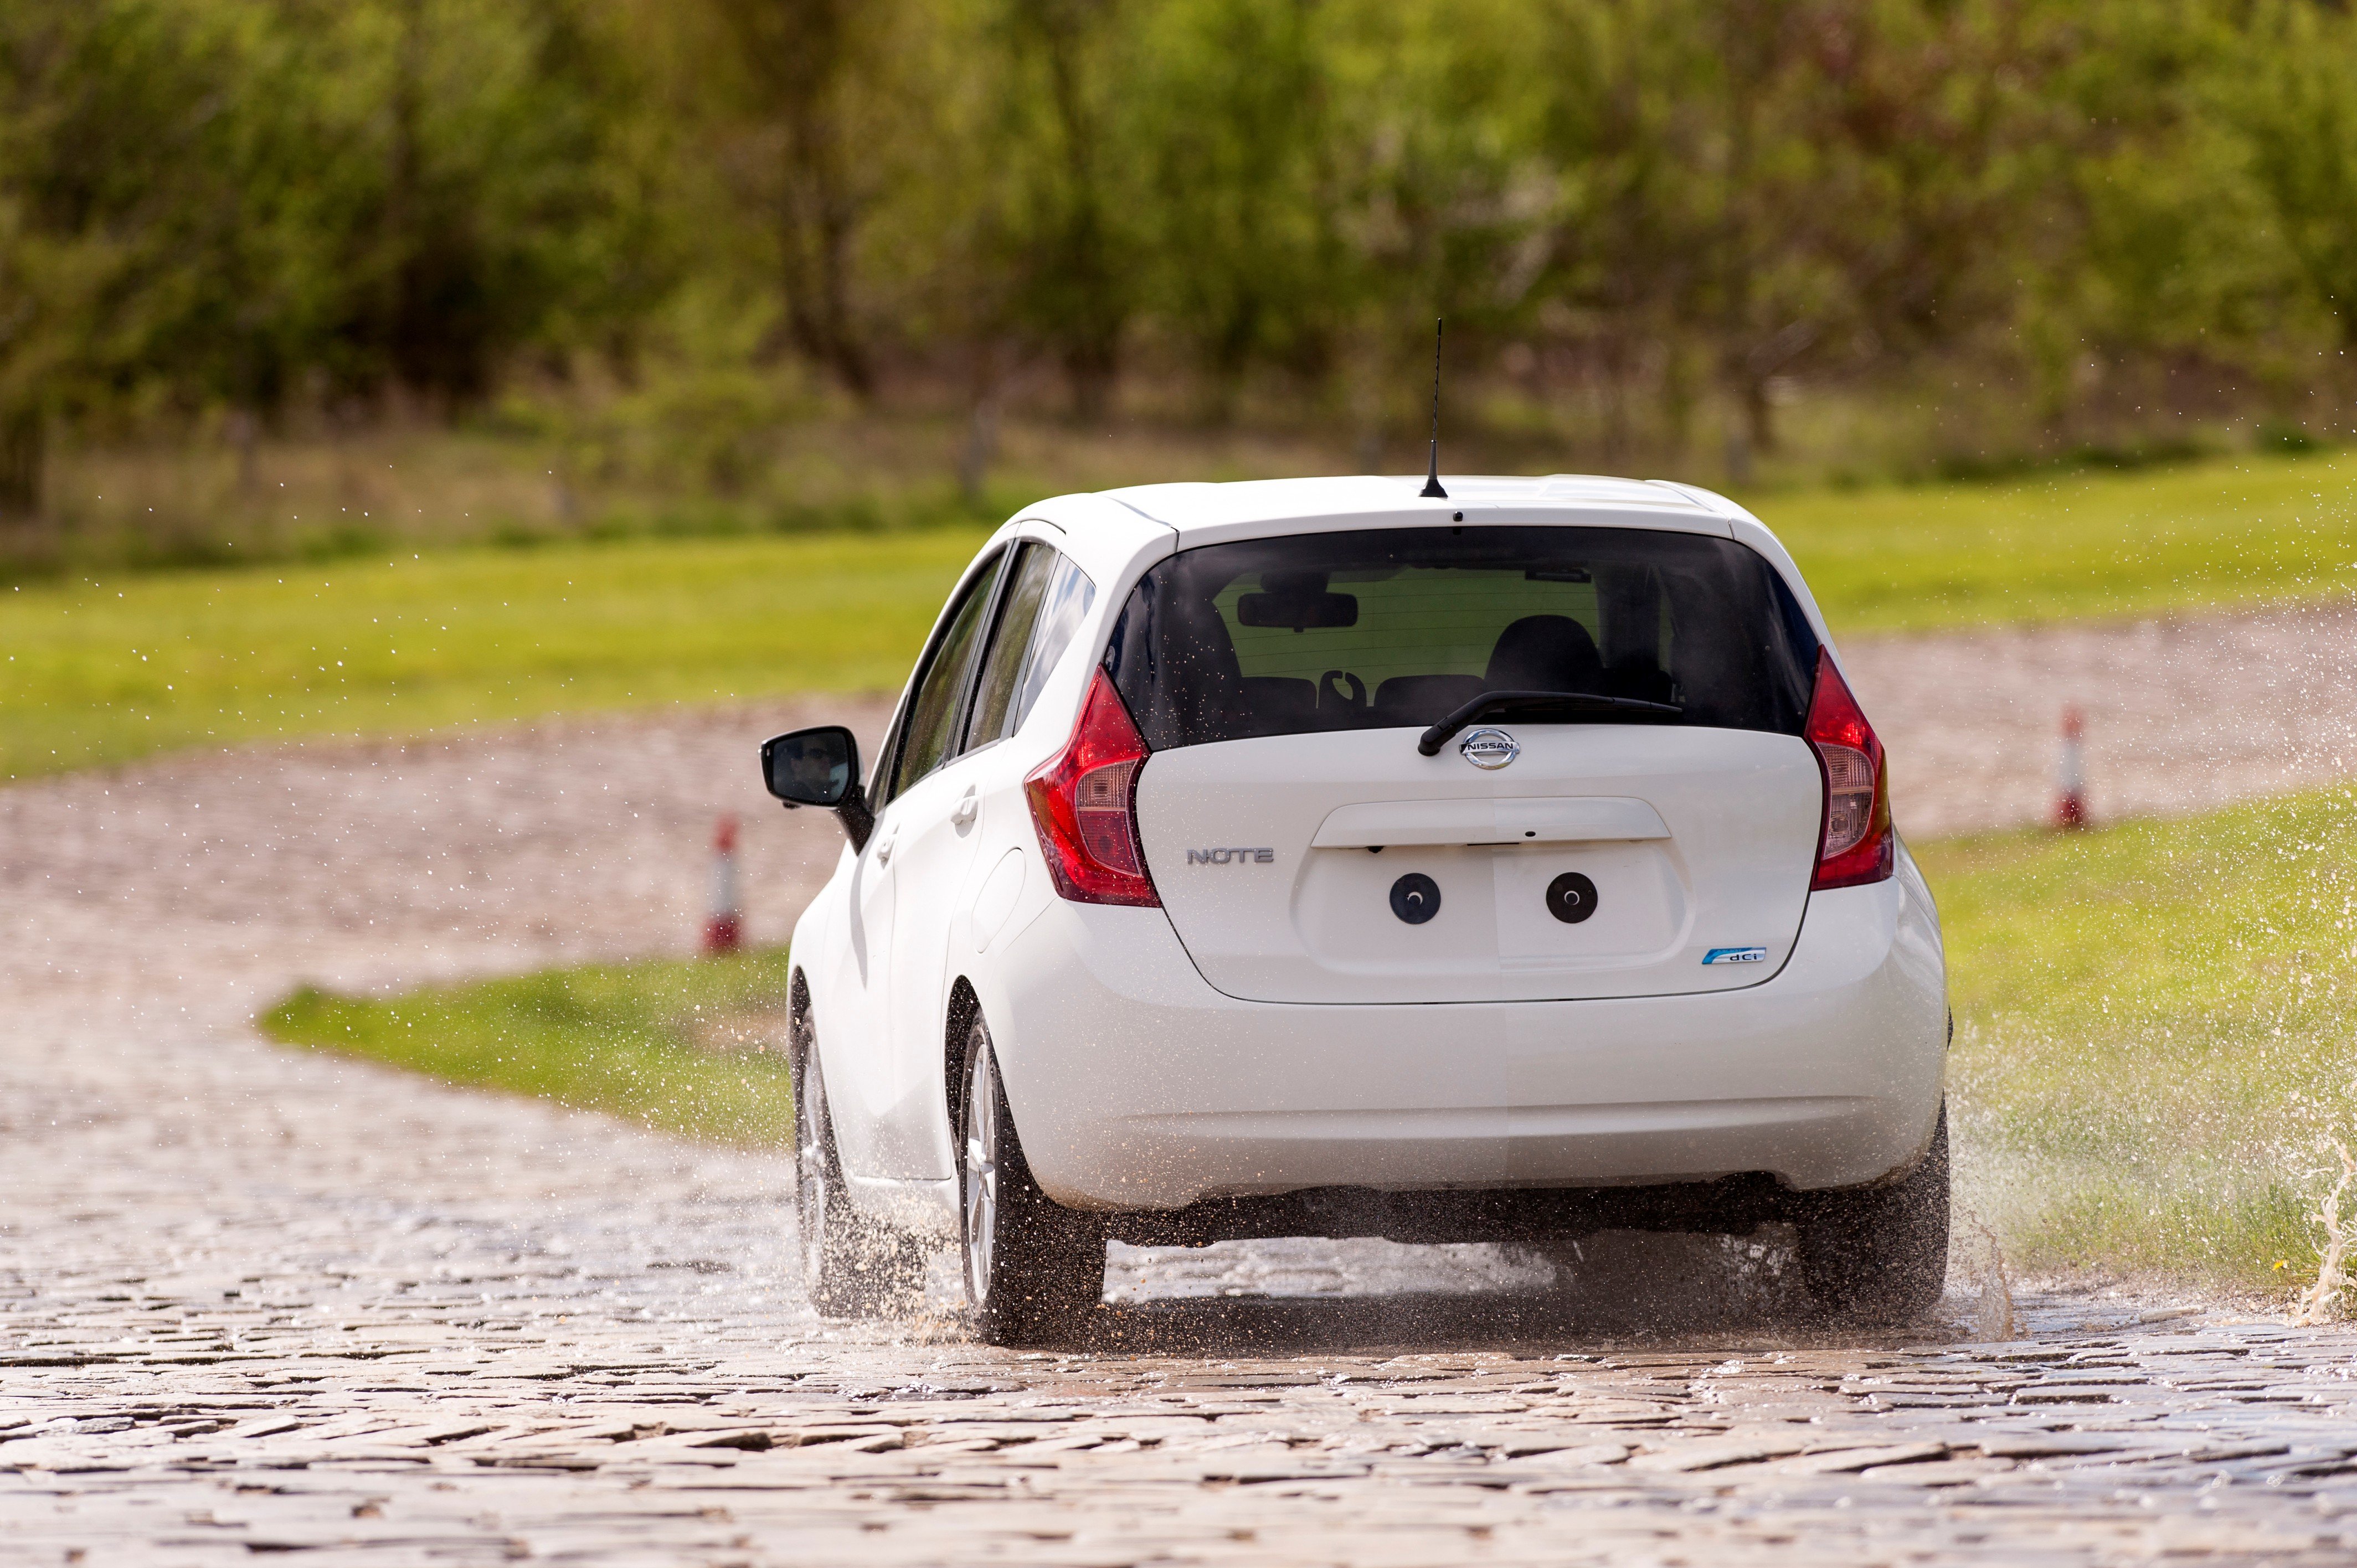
column 1308, row 857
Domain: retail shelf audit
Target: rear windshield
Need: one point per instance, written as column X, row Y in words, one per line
column 1399, row 626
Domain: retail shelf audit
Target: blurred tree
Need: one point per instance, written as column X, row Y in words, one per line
column 1624, row 206
column 2163, row 237
column 480, row 138
column 1944, row 142
column 2297, row 106
column 807, row 77
column 1630, row 242
column 1443, row 194
column 216, row 197
column 1061, row 214
column 106, row 116
column 1248, row 263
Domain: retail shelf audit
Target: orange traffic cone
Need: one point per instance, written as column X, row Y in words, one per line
column 724, row 929
column 2070, row 775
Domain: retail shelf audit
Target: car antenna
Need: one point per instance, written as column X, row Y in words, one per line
column 1432, row 490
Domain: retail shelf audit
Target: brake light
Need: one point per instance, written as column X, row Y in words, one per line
column 1855, row 844
column 1084, row 803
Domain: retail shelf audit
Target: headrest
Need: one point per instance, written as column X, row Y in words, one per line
column 1544, row 653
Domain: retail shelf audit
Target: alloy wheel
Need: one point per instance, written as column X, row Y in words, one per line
column 811, row 1197
column 981, row 1173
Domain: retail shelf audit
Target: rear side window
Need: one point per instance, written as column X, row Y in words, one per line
column 1018, row 614
column 1396, row 627
column 1045, row 599
column 936, row 706
column 1062, row 609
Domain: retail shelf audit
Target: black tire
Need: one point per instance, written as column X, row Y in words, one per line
column 1034, row 1269
column 855, row 1265
column 1880, row 1254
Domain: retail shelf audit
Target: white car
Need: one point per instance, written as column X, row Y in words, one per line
column 1311, row 857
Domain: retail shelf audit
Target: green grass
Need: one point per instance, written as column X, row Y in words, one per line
column 618, row 1038
column 110, row 670
column 2156, row 1025
column 2073, row 546
column 107, row 670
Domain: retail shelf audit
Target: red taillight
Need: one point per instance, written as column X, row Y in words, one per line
column 1855, row 843
column 1084, row 803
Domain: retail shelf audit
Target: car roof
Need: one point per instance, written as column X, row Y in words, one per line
column 1108, row 525
column 1189, row 507
column 1112, row 534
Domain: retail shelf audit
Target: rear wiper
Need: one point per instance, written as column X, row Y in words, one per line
column 1557, row 706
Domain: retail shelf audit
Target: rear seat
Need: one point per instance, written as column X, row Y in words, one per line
column 1425, row 699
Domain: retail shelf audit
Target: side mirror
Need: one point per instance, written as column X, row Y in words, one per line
column 811, row 767
column 819, row 768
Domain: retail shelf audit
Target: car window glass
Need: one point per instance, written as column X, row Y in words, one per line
column 1062, row 608
column 1026, row 588
column 1398, row 628
column 936, row 708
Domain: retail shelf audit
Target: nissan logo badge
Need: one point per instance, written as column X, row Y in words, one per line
column 1491, row 748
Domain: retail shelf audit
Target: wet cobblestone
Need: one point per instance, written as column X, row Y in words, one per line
column 632, row 1379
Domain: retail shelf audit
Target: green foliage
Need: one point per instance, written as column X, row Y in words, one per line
column 634, row 1040
column 410, row 188
column 2155, row 1027
column 1245, row 218
column 2045, row 223
column 2297, row 110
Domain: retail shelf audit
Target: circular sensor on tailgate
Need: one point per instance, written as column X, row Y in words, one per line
column 1571, row 897
column 1415, row 897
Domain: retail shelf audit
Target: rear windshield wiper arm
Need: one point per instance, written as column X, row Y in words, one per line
column 1540, row 706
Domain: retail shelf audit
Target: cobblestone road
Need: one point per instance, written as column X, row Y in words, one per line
column 255, row 1301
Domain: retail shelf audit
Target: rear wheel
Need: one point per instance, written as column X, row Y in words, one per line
column 854, row 1266
column 1034, row 1269
column 1881, row 1253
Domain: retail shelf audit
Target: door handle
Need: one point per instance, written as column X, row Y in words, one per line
column 884, row 847
column 968, row 806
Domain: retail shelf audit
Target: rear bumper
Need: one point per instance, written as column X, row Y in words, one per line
column 1137, row 1087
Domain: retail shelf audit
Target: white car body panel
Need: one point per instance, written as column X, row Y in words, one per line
column 1138, row 1083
